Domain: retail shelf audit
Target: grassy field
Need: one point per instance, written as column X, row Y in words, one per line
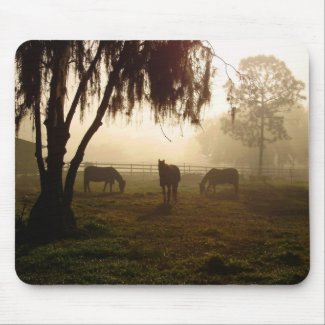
column 262, row 237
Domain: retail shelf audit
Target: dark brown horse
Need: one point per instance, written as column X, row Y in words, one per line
column 220, row 176
column 103, row 174
column 169, row 177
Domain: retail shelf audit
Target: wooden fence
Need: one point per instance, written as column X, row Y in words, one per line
column 292, row 174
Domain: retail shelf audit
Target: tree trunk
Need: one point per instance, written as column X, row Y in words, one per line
column 97, row 122
column 52, row 215
column 38, row 152
column 49, row 216
column 260, row 157
column 261, row 144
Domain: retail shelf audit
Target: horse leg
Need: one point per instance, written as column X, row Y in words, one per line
column 85, row 186
column 104, row 189
column 174, row 188
column 164, row 194
column 111, row 187
column 168, row 193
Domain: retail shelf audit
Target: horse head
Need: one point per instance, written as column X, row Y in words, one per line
column 122, row 185
column 161, row 164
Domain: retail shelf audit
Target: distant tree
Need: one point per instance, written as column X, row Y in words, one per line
column 171, row 77
column 294, row 151
column 267, row 89
column 222, row 149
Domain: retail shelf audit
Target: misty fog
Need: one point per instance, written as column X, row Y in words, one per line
column 144, row 141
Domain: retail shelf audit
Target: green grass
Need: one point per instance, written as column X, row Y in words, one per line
column 262, row 237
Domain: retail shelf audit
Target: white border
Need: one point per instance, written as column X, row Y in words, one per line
column 298, row 20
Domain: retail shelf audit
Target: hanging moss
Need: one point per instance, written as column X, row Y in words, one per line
column 172, row 77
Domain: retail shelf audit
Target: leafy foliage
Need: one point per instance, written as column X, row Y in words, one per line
column 221, row 148
column 267, row 90
column 173, row 77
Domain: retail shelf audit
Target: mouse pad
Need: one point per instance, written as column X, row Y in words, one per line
column 161, row 162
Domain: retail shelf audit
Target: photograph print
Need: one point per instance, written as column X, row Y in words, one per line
column 161, row 162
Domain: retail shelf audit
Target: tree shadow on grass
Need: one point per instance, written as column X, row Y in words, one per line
column 289, row 259
column 218, row 265
column 160, row 211
column 278, row 201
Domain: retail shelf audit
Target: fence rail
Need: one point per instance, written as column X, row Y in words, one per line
column 292, row 174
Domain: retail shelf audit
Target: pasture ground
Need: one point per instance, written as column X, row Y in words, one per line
column 260, row 238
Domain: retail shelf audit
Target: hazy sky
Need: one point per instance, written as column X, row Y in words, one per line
column 143, row 141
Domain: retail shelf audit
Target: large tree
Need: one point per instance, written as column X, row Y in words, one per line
column 222, row 149
column 266, row 89
column 172, row 78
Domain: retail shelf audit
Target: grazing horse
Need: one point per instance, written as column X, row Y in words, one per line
column 103, row 174
column 169, row 176
column 220, row 176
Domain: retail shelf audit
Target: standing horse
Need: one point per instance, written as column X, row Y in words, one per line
column 169, row 176
column 220, row 176
column 103, row 174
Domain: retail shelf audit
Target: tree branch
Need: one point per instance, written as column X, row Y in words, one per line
column 163, row 132
column 97, row 122
column 38, row 153
column 224, row 62
column 46, row 64
column 82, row 85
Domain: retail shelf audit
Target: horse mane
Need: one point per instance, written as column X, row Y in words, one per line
column 204, row 180
column 207, row 176
column 168, row 173
column 118, row 177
